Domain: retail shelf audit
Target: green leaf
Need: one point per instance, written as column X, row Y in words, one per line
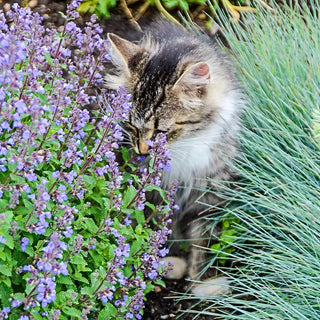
column 228, row 236
column 138, row 230
column 87, row 6
column 96, row 197
column 136, row 246
column 129, row 194
column 73, row 312
column 3, row 203
column 89, row 180
column 19, row 296
column 125, row 154
column 17, row 179
column 156, row 188
column 9, row 241
column 148, row 288
column 7, row 281
column 36, row 316
column 171, row 4
column 184, row 5
column 65, row 280
column 5, row 293
column 139, row 216
column 91, row 225
column 48, row 58
column 89, row 127
column 78, row 276
column 159, row 282
column 150, row 205
column 87, row 290
column 215, row 247
column 78, row 259
column 108, row 312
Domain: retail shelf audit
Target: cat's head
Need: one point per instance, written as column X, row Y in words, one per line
column 168, row 89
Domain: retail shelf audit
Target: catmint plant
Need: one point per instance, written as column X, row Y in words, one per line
column 74, row 238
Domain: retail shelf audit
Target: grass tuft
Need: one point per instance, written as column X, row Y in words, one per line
column 276, row 265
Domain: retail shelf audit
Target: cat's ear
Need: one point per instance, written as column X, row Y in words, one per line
column 124, row 48
column 196, row 77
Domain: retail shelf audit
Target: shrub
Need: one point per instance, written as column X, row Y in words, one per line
column 74, row 240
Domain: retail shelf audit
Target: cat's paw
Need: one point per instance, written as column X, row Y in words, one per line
column 176, row 266
column 212, row 287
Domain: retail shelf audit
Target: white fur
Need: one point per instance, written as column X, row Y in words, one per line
column 176, row 266
column 196, row 156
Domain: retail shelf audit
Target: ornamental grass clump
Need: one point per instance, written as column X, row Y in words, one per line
column 74, row 240
column 275, row 271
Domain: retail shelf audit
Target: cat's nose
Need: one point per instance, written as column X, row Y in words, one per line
column 143, row 147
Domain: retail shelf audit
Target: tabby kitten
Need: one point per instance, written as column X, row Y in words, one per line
column 182, row 85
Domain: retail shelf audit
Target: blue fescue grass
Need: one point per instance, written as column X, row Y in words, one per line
column 276, row 265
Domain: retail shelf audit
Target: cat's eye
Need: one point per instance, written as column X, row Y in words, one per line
column 131, row 127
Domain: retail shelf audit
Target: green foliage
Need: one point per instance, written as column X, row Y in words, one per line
column 99, row 7
column 102, row 7
column 224, row 244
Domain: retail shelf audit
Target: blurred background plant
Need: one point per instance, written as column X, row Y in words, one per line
column 135, row 9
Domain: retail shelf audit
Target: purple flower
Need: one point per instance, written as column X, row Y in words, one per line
column 5, row 312
column 2, row 94
column 56, row 174
column 5, row 125
column 21, row 106
column 26, row 188
column 40, row 229
column 31, row 177
column 2, row 239
column 45, row 196
column 26, row 268
column 70, row 176
column 3, row 151
column 122, row 250
column 46, row 291
column 152, row 274
column 24, row 243
column 61, row 197
column 63, row 268
column 26, row 134
column 107, row 294
column 24, row 317
column 127, row 221
column 16, row 303
column 68, row 232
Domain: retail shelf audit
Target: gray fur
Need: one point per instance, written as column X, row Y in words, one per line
column 182, row 85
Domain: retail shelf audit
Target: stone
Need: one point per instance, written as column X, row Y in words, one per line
column 32, row 4
column 6, row 7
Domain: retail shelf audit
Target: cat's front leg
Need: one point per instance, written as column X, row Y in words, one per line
column 178, row 267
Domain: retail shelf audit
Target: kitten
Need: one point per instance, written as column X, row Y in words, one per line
column 184, row 86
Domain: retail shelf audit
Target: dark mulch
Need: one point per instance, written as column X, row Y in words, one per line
column 164, row 303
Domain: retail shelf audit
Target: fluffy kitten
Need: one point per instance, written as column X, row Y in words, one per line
column 182, row 85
